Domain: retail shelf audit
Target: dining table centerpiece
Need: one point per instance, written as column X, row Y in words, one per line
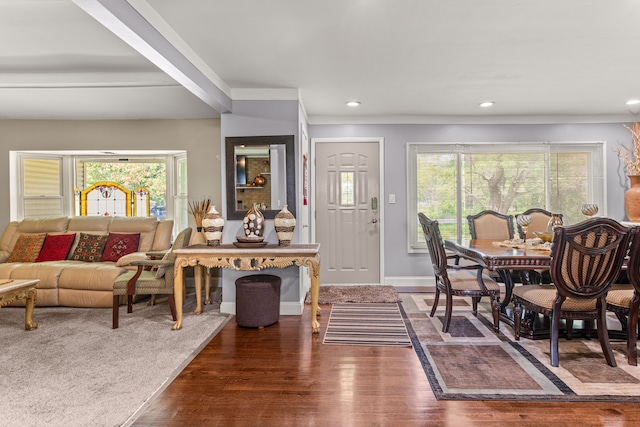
column 631, row 159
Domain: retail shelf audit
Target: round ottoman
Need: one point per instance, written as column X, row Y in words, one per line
column 257, row 300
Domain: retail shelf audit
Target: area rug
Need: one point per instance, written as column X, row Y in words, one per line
column 471, row 362
column 74, row 370
column 367, row 324
column 356, row 293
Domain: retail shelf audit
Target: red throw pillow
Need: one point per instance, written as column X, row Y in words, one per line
column 119, row 245
column 56, row 247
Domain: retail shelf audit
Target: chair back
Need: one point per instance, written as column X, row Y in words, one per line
column 633, row 263
column 539, row 220
column 586, row 258
column 438, row 255
column 181, row 240
column 491, row 225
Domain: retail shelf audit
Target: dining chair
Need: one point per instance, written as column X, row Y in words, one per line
column 539, row 219
column 490, row 225
column 457, row 280
column 624, row 301
column 149, row 282
column 586, row 259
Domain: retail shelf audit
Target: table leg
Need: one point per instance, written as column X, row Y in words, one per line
column 29, row 324
column 207, row 286
column 198, row 273
column 314, row 271
column 178, row 289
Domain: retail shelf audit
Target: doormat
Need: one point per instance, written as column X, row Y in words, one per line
column 472, row 362
column 367, row 324
column 357, row 293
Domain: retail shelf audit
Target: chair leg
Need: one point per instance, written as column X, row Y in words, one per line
column 603, row 333
column 517, row 320
column 447, row 313
column 116, row 311
column 555, row 332
column 474, row 303
column 569, row 324
column 495, row 310
column 436, row 299
column 129, row 303
column 172, row 306
column 632, row 331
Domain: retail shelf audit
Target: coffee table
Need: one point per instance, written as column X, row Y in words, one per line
column 11, row 290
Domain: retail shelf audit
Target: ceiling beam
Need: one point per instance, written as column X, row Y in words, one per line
column 126, row 22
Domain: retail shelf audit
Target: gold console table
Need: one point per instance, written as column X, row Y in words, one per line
column 246, row 259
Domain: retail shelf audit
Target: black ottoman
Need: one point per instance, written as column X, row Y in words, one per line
column 257, row 300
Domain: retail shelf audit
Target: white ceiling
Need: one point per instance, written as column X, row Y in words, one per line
column 407, row 61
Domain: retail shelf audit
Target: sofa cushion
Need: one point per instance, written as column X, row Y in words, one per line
column 89, row 248
column 145, row 226
column 56, row 247
column 119, row 244
column 27, row 247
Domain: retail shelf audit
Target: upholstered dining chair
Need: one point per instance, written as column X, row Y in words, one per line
column 149, row 282
column 490, row 225
column 586, row 259
column 457, row 280
column 624, row 301
column 539, row 220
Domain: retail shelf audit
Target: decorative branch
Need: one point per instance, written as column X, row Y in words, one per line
column 198, row 210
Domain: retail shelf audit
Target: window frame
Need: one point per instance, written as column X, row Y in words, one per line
column 596, row 184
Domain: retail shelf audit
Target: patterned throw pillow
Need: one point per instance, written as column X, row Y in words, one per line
column 90, row 247
column 27, row 248
column 56, row 247
column 119, row 245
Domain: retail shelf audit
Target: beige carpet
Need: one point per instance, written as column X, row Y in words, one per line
column 471, row 362
column 356, row 293
column 74, row 370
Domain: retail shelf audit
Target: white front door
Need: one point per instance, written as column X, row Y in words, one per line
column 347, row 220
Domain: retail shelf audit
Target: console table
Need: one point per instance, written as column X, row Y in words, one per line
column 11, row 290
column 246, row 259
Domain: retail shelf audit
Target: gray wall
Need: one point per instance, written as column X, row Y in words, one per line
column 398, row 262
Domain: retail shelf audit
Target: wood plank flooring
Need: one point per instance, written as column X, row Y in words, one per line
column 282, row 375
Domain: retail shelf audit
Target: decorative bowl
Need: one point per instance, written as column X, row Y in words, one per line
column 546, row 237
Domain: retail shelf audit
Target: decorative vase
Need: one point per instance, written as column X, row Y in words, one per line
column 213, row 223
column 284, row 223
column 632, row 199
column 253, row 222
column 554, row 221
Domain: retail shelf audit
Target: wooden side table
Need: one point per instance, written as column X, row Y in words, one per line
column 11, row 290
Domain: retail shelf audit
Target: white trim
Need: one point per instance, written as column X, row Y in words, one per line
column 381, row 198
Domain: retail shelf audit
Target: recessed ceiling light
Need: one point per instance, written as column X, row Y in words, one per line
column 353, row 103
column 633, row 101
column 486, row 104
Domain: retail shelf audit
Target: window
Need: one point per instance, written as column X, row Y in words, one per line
column 447, row 182
column 49, row 184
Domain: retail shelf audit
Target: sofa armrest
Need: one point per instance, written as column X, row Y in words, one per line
column 4, row 255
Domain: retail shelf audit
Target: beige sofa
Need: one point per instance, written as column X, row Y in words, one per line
column 78, row 283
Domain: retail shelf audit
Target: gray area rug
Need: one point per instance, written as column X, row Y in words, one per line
column 356, row 293
column 74, row 370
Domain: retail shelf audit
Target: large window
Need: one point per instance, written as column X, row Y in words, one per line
column 48, row 184
column 447, row 182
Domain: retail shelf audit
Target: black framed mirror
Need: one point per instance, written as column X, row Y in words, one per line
column 260, row 170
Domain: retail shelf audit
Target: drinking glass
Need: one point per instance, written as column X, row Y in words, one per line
column 524, row 221
column 589, row 209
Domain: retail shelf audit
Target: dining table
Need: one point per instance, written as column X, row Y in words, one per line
column 505, row 258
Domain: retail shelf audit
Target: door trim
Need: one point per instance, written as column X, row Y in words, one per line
column 381, row 203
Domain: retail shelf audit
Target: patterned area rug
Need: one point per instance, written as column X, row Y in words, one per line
column 367, row 324
column 471, row 362
column 356, row 293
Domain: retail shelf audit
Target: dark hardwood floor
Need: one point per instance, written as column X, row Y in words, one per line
column 284, row 376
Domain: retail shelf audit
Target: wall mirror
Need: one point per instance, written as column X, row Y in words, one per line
column 260, row 170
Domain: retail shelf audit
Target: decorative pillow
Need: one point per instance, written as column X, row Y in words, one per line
column 27, row 247
column 90, row 247
column 119, row 245
column 56, row 247
column 162, row 270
